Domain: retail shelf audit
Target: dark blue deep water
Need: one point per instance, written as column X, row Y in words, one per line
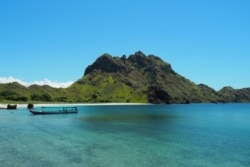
column 195, row 135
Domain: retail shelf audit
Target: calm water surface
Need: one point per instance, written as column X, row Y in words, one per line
column 195, row 135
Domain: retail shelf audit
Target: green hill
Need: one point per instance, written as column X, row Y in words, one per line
column 136, row 78
column 141, row 78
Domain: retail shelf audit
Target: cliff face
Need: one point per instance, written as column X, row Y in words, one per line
column 136, row 78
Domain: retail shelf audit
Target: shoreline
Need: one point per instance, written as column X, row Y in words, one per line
column 4, row 106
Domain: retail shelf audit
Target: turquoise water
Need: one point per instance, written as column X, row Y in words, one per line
column 195, row 135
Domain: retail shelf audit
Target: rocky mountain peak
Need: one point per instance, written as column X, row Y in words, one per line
column 106, row 63
column 139, row 59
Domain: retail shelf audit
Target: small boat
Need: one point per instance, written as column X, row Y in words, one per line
column 55, row 110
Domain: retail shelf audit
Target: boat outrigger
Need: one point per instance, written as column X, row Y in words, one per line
column 55, row 110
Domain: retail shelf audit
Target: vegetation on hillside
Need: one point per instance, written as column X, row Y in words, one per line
column 138, row 78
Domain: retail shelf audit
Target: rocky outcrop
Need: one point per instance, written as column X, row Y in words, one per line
column 157, row 95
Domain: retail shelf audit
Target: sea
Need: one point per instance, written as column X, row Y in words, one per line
column 183, row 135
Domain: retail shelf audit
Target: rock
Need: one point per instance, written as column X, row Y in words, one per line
column 11, row 106
column 30, row 106
column 157, row 95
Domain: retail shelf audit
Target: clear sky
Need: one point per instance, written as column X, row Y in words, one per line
column 53, row 41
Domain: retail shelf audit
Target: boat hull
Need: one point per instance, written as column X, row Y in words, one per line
column 59, row 112
column 55, row 110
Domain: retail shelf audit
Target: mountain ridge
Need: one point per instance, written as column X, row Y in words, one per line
column 136, row 78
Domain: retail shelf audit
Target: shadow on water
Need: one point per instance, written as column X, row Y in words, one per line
column 127, row 118
column 126, row 114
column 141, row 120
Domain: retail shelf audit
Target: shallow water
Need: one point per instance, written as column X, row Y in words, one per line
column 142, row 135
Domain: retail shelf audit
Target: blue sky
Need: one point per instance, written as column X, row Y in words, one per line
column 53, row 41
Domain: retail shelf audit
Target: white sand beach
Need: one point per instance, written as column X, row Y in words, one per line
column 72, row 104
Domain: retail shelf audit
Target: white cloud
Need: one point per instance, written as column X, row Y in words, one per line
column 45, row 81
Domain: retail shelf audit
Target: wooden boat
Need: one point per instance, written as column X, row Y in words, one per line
column 55, row 110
